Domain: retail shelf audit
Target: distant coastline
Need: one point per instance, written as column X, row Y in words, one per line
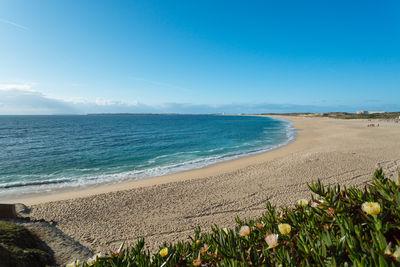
column 340, row 115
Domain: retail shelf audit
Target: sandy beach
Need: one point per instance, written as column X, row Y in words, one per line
column 169, row 208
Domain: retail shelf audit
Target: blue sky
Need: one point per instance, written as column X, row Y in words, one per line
column 198, row 56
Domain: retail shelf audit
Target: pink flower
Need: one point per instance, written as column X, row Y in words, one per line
column 272, row 240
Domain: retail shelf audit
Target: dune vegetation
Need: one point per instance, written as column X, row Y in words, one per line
column 337, row 226
column 20, row 247
column 347, row 116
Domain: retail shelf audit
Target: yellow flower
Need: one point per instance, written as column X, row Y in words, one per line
column 197, row 262
column 371, row 208
column 164, row 252
column 302, row 202
column 388, row 250
column 272, row 240
column 396, row 254
column 93, row 259
column 197, row 242
column 74, row 264
column 244, row 230
column 284, row 228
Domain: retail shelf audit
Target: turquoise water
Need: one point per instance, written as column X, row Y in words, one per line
column 43, row 153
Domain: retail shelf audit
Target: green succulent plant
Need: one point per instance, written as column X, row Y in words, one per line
column 339, row 226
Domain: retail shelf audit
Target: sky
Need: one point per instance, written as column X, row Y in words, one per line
column 78, row 57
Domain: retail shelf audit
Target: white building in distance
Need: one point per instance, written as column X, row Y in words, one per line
column 371, row 112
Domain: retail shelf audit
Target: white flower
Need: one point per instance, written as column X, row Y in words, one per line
column 244, row 230
column 272, row 240
column 302, row 202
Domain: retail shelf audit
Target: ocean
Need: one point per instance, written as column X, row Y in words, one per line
column 43, row 154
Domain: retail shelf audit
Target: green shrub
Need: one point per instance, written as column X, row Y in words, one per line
column 336, row 227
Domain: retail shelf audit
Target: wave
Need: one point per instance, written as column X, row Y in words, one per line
column 32, row 183
column 289, row 135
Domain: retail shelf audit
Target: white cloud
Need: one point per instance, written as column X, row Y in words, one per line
column 18, row 102
column 108, row 102
column 20, row 99
column 17, row 86
column 14, row 24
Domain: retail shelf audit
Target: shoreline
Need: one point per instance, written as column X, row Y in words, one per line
column 197, row 173
column 169, row 208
